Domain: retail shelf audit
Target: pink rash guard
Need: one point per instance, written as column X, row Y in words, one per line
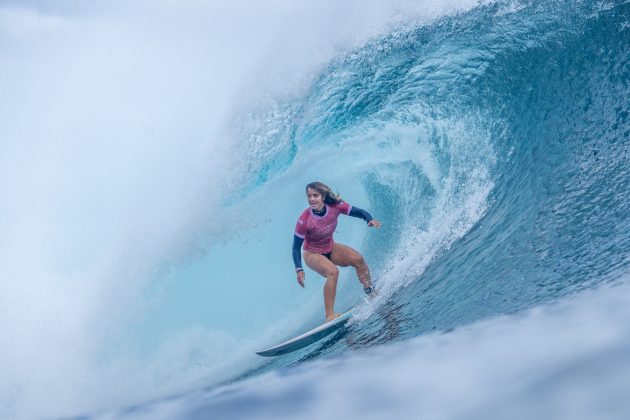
column 317, row 231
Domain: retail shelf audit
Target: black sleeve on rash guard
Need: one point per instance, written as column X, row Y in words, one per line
column 360, row 213
column 297, row 254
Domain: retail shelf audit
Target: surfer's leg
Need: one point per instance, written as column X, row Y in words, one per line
column 329, row 270
column 344, row 256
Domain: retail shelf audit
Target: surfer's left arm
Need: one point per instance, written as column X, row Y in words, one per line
column 365, row 215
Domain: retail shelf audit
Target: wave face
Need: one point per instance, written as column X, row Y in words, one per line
column 491, row 142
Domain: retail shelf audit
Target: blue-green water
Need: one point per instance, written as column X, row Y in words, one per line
column 493, row 145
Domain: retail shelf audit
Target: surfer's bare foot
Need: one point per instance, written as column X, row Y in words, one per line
column 331, row 317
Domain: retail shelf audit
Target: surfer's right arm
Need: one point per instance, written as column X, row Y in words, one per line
column 298, row 240
column 297, row 258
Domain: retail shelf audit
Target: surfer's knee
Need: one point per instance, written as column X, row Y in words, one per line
column 332, row 272
column 357, row 261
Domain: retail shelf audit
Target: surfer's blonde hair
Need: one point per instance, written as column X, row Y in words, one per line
column 329, row 195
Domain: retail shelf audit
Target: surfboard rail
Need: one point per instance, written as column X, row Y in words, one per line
column 307, row 338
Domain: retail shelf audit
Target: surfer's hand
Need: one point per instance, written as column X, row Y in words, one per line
column 374, row 223
column 300, row 278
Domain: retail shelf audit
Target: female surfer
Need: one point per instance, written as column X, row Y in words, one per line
column 315, row 229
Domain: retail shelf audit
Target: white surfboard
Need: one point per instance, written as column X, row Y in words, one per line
column 307, row 338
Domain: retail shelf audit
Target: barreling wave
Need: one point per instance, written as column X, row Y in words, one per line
column 493, row 144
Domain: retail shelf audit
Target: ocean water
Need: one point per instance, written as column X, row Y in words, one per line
column 153, row 159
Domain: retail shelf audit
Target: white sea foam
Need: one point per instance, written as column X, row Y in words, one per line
column 567, row 360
